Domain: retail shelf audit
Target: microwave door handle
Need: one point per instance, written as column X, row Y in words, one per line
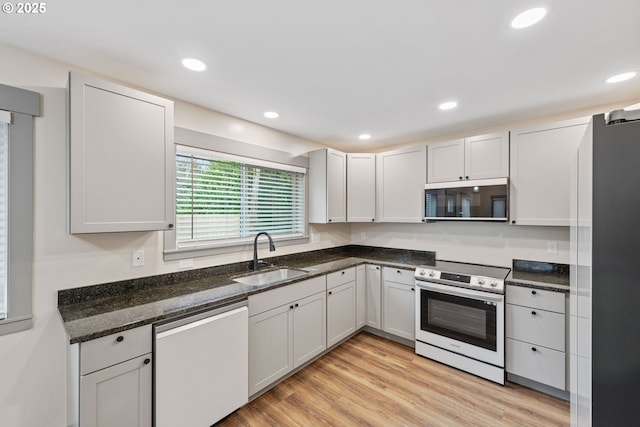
column 461, row 292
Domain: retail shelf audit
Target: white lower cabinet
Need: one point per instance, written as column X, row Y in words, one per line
column 115, row 380
column 399, row 303
column 341, row 305
column 373, row 306
column 361, row 296
column 535, row 335
column 287, row 327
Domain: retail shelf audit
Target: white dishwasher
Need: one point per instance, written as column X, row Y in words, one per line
column 201, row 367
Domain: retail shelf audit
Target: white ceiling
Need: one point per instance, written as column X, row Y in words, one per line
column 335, row 69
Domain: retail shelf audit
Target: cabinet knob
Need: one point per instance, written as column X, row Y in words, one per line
column 291, row 307
column 533, row 292
column 460, row 178
column 295, row 305
column 330, row 292
column 120, row 339
column 373, row 219
column 533, row 313
column 170, row 226
column 329, row 220
column 466, row 177
column 147, row 361
column 513, row 222
column 534, row 349
column 413, row 289
column 343, row 273
column 398, row 271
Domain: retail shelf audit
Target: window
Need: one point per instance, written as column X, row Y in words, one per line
column 17, row 108
column 225, row 195
column 223, row 199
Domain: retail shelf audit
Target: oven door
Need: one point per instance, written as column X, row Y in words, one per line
column 464, row 321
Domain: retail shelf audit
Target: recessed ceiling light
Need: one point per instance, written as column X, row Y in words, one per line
column 448, row 105
column 621, row 77
column 364, row 136
column 271, row 115
column 194, row 64
column 528, row 18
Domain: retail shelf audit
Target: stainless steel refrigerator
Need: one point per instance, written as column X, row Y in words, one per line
column 605, row 287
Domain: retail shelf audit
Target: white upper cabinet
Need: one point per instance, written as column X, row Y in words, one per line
column 400, row 178
column 478, row 157
column 121, row 164
column 327, row 186
column 361, row 187
column 541, row 159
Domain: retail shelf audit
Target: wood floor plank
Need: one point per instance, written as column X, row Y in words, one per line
column 372, row 381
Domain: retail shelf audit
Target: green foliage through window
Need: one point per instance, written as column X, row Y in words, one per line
column 224, row 200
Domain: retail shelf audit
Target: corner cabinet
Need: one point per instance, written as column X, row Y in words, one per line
column 400, row 179
column 541, row 162
column 478, row 157
column 327, row 186
column 361, row 187
column 121, row 158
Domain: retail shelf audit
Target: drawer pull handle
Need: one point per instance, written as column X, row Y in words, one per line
column 413, row 289
column 534, row 349
column 533, row 292
column 291, row 307
column 330, row 292
column 398, row 271
column 343, row 273
column 120, row 339
column 533, row 313
column 295, row 305
column 147, row 361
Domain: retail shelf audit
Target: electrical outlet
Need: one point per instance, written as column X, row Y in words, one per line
column 138, row 258
column 552, row 247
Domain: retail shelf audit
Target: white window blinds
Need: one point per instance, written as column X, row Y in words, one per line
column 4, row 193
column 225, row 199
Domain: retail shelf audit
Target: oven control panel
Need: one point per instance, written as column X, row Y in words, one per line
column 479, row 282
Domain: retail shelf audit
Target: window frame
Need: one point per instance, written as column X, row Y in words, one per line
column 23, row 105
column 217, row 144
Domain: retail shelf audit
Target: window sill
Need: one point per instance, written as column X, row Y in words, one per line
column 9, row 326
column 200, row 251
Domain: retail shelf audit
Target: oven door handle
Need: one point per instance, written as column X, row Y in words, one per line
column 461, row 292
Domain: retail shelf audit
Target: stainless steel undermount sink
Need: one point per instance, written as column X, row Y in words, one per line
column 270, row 277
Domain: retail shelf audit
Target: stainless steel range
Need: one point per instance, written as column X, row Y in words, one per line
column 460, row 317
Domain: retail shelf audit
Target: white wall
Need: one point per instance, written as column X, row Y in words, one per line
column 32, row 363
column 482, row 243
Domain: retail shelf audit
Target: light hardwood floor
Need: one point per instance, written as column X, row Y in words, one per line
column 371, row 381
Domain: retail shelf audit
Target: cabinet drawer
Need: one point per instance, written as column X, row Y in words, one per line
column 397, row 275
column 264, row 301
column 539, row 327
column 536, row 298
column 543, row 364
column 116, row 348
column 341, row 277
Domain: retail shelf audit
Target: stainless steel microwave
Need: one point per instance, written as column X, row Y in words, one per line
column 480, row 200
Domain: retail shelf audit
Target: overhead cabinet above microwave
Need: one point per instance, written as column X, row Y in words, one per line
column 477, row 157
column 480, row 200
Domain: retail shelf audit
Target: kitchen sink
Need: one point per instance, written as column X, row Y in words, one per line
column 270, row 277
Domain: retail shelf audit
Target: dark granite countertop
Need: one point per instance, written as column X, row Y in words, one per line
column 540, row 275
column 94, row 311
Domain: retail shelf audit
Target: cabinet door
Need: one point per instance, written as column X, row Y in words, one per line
column 121, row 166
column 446, row 161
column 399, row 307
column 487, row 156
column 327, row 186
column 361, row 187
column 540, row 172
column 270, row 347
column 361, row 296
column 119, row 395
column 309, row 328
column 341, row 312
column 336, row 186
column 374, row 296
column 401, row 176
